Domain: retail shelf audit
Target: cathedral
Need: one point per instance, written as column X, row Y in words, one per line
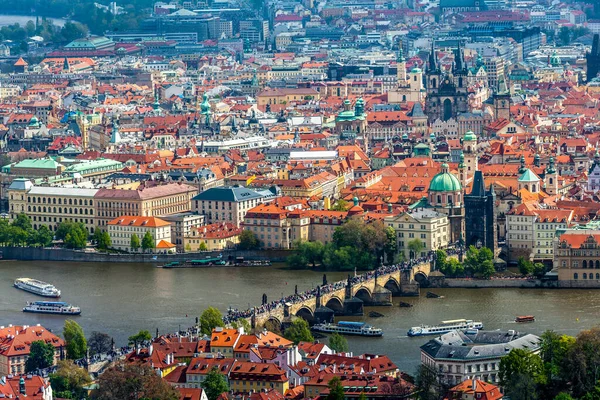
column 447, row 91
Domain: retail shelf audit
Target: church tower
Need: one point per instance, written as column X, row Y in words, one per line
column 401, row 65
column 551, row 178
column 502, row 100
column 470, row 155
column 593, row 59
column 480, row 215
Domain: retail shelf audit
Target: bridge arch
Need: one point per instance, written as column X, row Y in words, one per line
column 336, row 304
column 272, row 324
column 392, row 285
column 422, row 278
column 305, row 313
column 364, row 294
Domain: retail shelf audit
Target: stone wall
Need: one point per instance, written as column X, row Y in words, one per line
column 498, row 283
column 32, row 254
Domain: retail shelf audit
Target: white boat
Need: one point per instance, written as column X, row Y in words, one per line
column 445, row 327
column 348, row 328
column 52, row 307
column 37, row 287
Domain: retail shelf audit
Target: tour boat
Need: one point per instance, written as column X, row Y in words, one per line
column 37, row 287
column 445, row 327
column 525, row 318
column 52, row 307
column 348, row 328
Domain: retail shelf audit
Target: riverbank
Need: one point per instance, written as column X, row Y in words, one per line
column 59, row 254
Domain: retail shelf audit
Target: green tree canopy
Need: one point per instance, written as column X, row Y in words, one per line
column 74, row 234
column 147, row 242
column 479, row 262
column 520, row 371
column 134, row 382
column 525, row 266
column 248, row 240
column 76, row 342
column 135, row 242
column 210, row 319
column 42, row 237
column 336, row 390
column 415, row 246
column 68, row 381
column 202, row 246
column 139, row 338
column 299, row 331
column 41, row 355
column 583, row 362
column 340, row 205
column 338, row 343
column 214, row 384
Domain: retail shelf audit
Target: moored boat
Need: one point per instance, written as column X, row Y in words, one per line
column 348, row 328
column 37, row 287
column 52, row 307
column 525, row 318
column 445, row 327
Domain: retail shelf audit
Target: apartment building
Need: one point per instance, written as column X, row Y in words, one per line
column 432, row 228
column 577, row 258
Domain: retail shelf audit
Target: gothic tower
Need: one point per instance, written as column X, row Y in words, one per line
column 480, row 215
column 551, row 178
column 502, row 100
column 401, row 66
column 470, row 155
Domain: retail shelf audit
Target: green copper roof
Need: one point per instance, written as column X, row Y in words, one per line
column 445, row 182
column 470, row 137
column 528, row 176
column 40, row 163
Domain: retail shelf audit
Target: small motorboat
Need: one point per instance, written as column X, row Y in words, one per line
column 525, row 318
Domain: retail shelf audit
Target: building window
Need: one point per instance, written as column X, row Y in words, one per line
column 575, row 276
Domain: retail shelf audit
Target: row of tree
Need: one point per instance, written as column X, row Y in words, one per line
column 355, row 245
column 477, row 263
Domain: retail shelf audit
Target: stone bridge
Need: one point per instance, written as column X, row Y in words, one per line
column 348, row 297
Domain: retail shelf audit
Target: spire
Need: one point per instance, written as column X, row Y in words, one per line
column 461, row 164
column 522, row 169
column 66, row 64
column 458, row 59
column 492, row 192
column 478, row 185
column 502, row 87
column 432, row 58
column 400, row 58
column 551, row 169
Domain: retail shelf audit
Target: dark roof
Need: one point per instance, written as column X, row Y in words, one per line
column 233, row 193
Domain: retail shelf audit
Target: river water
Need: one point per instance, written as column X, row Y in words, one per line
column 121, row 299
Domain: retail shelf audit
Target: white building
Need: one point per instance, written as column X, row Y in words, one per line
column 457, row 356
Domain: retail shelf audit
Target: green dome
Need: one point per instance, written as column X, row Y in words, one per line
column 445, row 182
column 405, row 136
column 470, row 137
column 416, row 70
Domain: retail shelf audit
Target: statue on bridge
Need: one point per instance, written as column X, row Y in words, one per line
column 264, row 299
column 324, row 279
column 296, row 290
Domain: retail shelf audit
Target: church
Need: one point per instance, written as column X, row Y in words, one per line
column 447, row 91
column 409, row 85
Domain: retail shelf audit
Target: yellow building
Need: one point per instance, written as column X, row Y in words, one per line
column 284, row 96
column 145, row 201
column 217, row 236
column 577, row 259
column 428, row 226
column 52, row 205
column 249, row 377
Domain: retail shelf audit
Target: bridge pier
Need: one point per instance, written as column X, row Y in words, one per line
column 353, row 307
column 381, row 297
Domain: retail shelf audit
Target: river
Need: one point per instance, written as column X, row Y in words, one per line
column 22, row 20
column 121, row 299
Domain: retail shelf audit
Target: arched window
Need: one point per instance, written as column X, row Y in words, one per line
column 584, row 264
column 403, row 97
column 449, row 198
column 28, row 208
column 591, row 276
column 70, row 201
column 584, row 275
column 597, row 276
column 54, row 210
column 439, row 199
column 575, row 275
column 597, row 264
column 44, row 209
column 54, row 200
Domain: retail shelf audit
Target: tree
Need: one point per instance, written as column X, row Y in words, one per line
column 416, row 247
column 22, row 221
column 68, row 380
column 564, row 35
column 583, row 362
column 73, row 234
column 519, row 371
column 76, row 343
column 297, row 260
column 139, row 338
column 242, row 323
column 41, row 355
column 102, row 239
column 135, row 242
column 203, row 246
column 428, row 385
column 563, row 396
column 338, row 343
column 299, row 331
column 539, row 270
column 99, row 342
column 42, row 237
column 525, row 266
column 73, row 30
column 480, row 262
column 214, row 384
column 340, row 205
column 147, row 242
column 248, row 240
column 336, row 390
column 554, row 349
column 362, row 396
column 391, row 245
column 134, row 382
column 210, row 319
